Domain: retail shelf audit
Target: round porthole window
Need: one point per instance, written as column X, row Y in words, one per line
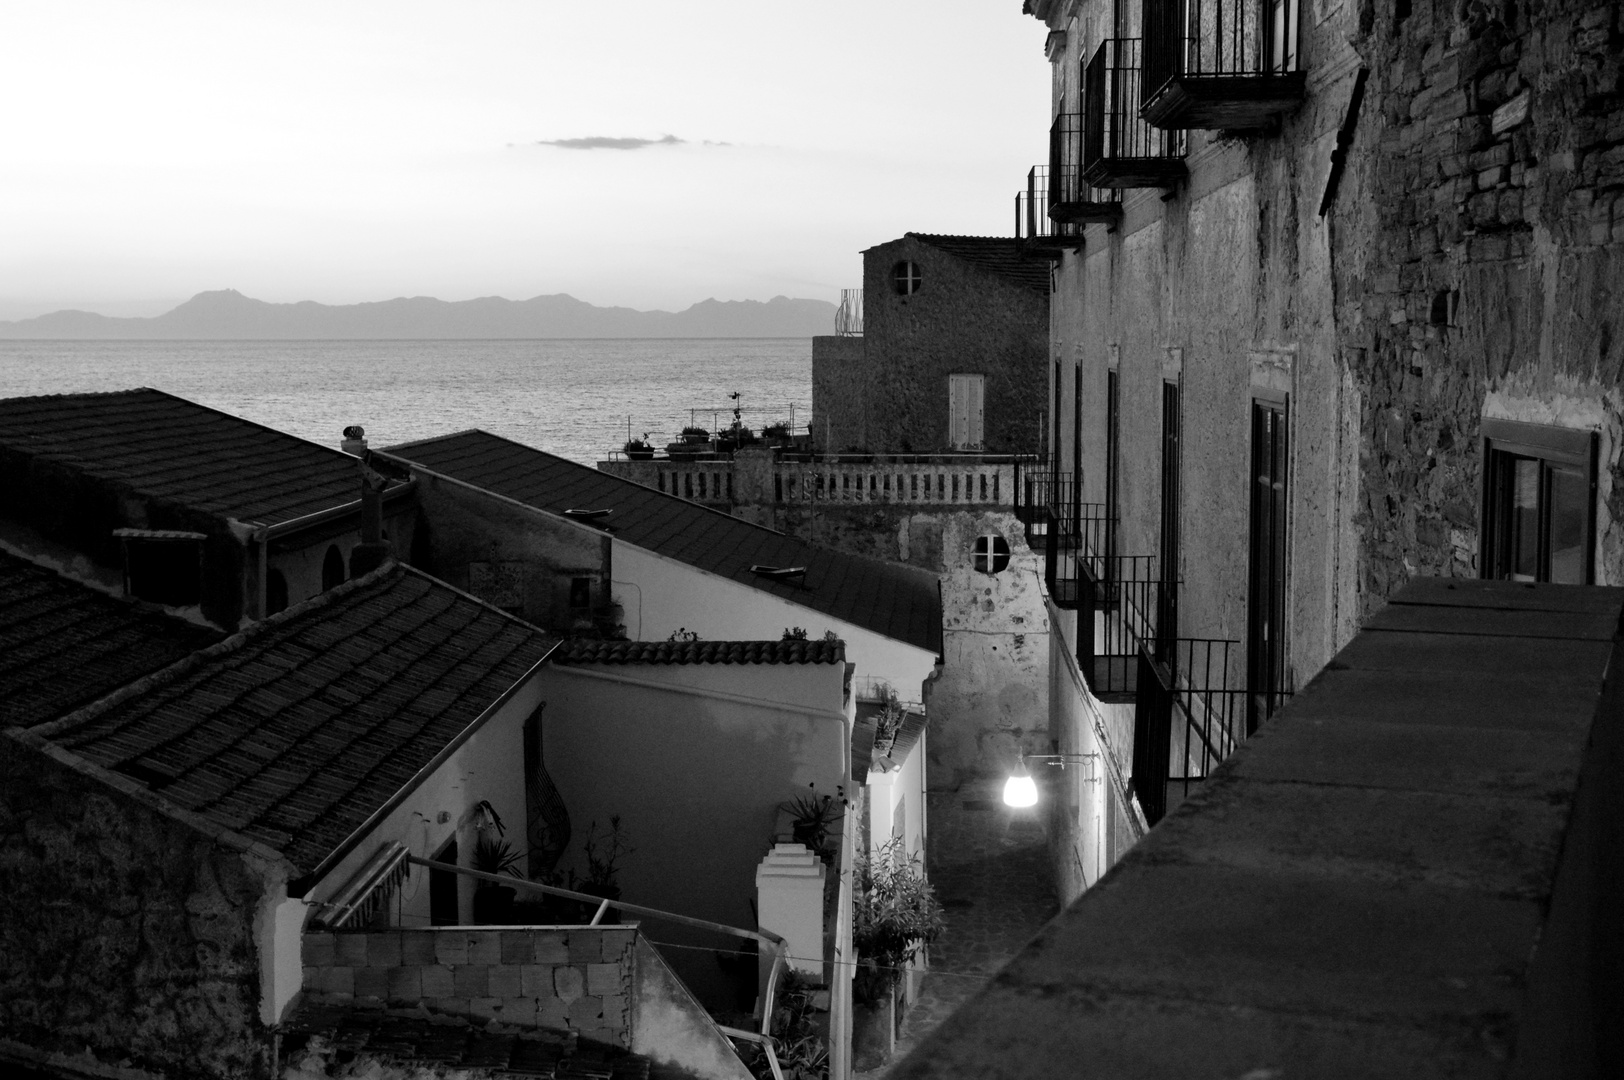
column 906, row 277
column 992, row 554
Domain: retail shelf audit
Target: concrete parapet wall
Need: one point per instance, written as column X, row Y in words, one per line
column 577, row 978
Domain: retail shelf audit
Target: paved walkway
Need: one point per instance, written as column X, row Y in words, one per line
column 989, row 866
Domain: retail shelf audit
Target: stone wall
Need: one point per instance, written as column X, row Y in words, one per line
column 837, row 403
column 578, row 979
column 122, row 931
column 1480, row 262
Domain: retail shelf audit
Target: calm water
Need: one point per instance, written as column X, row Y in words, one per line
column 569, row 397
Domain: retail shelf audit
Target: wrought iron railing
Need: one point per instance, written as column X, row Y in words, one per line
column 1117, row 613
column 1071, row 199
column 1114, row 135
column 849, row 315
column 1032, row 222
column 1031, row 499
column 1218, row 39
column 1189, row 715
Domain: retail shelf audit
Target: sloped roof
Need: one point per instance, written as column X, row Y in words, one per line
column 701, row 652
column 168, row 448
column 896, row 601
column 296, row 730
column 64, row 644
column 998, row 255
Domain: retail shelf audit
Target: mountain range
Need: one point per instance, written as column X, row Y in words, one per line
column 229, row 315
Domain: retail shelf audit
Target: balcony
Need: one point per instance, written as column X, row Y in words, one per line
column 1032, row 502
column 1188, row 717
column 849, row 315
column 1124, row 606
column 1120, row 150
column 1071, row 201
column 1040, row 236
column 1220, row 64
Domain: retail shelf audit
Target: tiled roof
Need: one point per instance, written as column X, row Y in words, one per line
column 897, row 601
column 181, row 452
column 997, row 255
column 864, row 748
column 63, row 644
column 435, row 1043
column 296, row 730
column 701, row 652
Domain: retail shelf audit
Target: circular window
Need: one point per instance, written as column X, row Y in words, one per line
column 992, row 554
column 906, row 278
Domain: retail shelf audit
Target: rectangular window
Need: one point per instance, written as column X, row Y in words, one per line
column 1539, row 503
column 1168, row 551
column 1113, row 432
column 1266, row 586
column 965, row 411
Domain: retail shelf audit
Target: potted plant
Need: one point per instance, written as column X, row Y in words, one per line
column 639, row 449
column 693, row 440
column 813, row 818
column 895, row 914
column 776, row 433
column 493, row 903
column 602, row 864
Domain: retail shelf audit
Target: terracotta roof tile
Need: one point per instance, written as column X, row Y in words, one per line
column 299, row 728
column 64, row 644
column 898, row 601
column 997, row 255
column 701, row 652
column 178, row 451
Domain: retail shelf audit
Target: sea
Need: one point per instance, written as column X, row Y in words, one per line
column 576, row 398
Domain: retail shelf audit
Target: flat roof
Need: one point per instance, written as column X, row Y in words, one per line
column 899, row 602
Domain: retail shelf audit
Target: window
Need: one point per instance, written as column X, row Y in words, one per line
column 580, row 593
column 905, row 277
column 276, row 592
column 992, row 554
column 332, row 569
column 1168, row 550
column 1539, row 503
column 163, row 567
column 1113, row 462
column 1266, row 584
column 1283, row 33
column 965, row 416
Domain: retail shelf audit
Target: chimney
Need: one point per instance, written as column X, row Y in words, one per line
column 355, row 440
column 373, row 549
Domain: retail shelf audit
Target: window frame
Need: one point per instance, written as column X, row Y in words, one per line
column 907, row 278
column 1547, row 444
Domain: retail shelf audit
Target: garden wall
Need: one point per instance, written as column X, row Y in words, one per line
column 578, row 979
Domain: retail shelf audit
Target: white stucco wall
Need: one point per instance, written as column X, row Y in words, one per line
column 661, row 595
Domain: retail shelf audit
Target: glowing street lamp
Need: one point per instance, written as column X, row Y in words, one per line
column 1021, row 791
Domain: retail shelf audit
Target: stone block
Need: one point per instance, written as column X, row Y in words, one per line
column 405, row 984
column 569, row 983
column 335, row 980
column 505, row 981
column 472, row 980
column 586, row 946
column 371, row 982
column 552, row 1013
column 350, row 950
column 418, row 947
column 536, row 980
column 603, row 979
column 585, row 1012
column 518, row 947
column 616, row 1010
column 438, row 982
column 520, row 1011
column 551, row 947
column 451, row 948
column 485, row 1008
column 383, row 950
column 317, row 949
column 485, row 947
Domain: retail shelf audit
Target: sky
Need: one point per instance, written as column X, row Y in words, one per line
column 645, row 153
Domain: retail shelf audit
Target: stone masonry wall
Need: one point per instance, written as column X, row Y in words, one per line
column 577, row 979
column 837, row 411
column 122, row 931
column 1480, row 261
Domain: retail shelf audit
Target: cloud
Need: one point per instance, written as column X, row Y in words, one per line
column 609, row 142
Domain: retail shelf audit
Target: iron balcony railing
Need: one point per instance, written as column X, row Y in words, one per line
column 1072, row 200
column 1036, row 231
column 849, row 315
column 1220, row 63
column 1120, row 149
column 1189, row 715
column 1032, row 501
column 1122, row 607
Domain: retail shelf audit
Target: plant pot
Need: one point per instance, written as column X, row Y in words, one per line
column 493, row 904
column 640, row 455
column 873, row 1033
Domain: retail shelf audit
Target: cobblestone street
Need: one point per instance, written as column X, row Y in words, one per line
column 989, row 866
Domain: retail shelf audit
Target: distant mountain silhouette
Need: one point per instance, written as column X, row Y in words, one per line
column 228, row 314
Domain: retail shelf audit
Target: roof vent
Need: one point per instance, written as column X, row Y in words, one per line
column 355, row 440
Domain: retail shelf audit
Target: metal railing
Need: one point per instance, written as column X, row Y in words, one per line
column 1218, row 39
column 1032, row 500
column 849, row 315
column 1032, row 221
column 1188, row 716
column 1070, row 198
column 1113, row 131
column 777, row 946
column 1119, row 611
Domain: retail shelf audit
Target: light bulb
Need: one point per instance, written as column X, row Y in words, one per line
column 1020, row 791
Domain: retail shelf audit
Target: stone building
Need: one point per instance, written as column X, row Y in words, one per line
column 950, row 355
column 1337, row 289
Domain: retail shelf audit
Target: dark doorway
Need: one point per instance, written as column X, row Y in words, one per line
column 1167, row 615
column 1266, row 584
column 332, row 569
column 443, row 889
column 1113, row 432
